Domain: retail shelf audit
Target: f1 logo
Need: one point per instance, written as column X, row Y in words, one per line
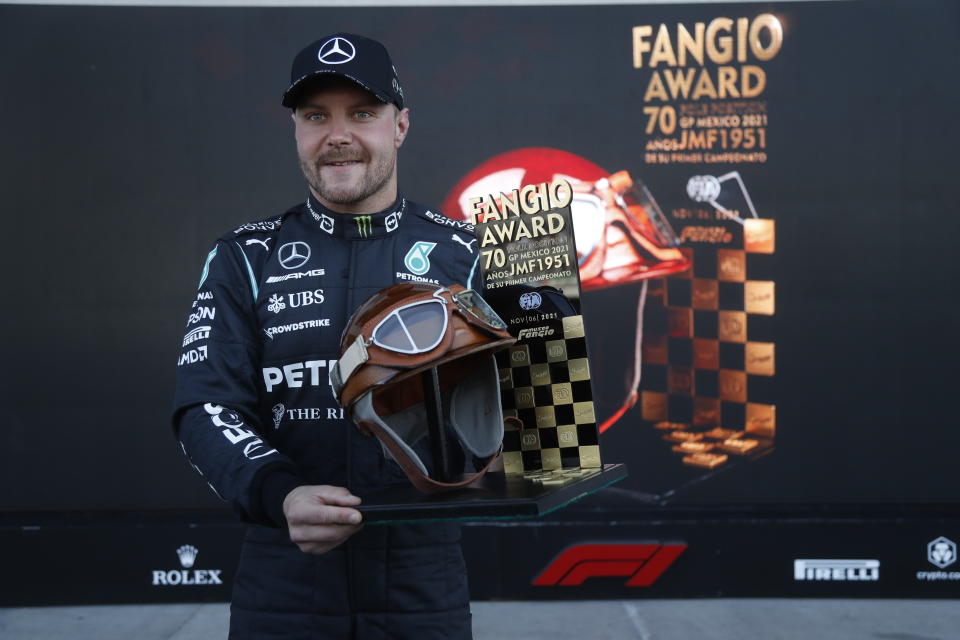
column 642, row 563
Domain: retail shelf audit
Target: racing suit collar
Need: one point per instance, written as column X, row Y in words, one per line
column 351, row 226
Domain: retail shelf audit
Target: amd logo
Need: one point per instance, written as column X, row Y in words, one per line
column 187, row 575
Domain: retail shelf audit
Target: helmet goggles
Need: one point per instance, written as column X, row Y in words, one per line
column 416, row 327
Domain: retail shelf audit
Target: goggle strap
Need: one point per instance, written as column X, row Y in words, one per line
column 351, row 360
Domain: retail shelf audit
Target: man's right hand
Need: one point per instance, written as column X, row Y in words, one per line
column 319, row 517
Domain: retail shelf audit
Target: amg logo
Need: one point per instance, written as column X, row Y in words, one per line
column 176, row 577
column 535, row 332
column 836, row 570
column 296, row 276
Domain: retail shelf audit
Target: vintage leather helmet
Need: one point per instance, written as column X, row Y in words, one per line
column 397, row 335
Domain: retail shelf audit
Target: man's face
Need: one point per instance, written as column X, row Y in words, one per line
column 347, row 141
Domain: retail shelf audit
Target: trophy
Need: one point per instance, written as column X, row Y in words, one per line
column 445, row 376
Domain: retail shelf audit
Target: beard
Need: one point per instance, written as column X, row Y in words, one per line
column 376, row 176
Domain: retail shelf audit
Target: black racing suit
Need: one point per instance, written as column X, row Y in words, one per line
column 256, row 416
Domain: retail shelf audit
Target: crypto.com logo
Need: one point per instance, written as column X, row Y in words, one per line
column 642, row 563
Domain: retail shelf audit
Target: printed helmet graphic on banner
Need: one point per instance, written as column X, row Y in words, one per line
column 622, row 235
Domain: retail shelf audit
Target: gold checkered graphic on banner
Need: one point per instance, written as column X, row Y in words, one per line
column 707, row 374
column 547, row 386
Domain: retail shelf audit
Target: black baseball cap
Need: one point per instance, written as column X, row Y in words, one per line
column 354, row 57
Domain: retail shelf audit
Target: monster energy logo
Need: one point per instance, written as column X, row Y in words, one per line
column 364, row 225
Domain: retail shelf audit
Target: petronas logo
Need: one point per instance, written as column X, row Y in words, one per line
column 417, row 259
column 364, row 225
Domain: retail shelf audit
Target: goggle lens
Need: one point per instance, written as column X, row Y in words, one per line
column 415, row 328
column 477, row 307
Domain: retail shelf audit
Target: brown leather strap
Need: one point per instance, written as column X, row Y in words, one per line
column 423, row 483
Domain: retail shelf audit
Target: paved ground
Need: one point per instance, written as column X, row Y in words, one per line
column 595, row 620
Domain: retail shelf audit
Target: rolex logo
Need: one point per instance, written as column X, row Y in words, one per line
column 188, row 555
column 187, row 575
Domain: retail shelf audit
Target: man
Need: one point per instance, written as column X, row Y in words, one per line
column 254, row 410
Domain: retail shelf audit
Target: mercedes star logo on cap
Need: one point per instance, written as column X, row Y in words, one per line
column 336, row 50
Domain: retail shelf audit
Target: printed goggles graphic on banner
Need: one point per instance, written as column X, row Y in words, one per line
column 642, row 563
column 710, row 188
column 641, row 220
column 415, row 328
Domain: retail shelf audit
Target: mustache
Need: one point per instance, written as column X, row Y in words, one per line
column 341, row 155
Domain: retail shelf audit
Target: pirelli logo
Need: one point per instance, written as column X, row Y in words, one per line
column 642, row 564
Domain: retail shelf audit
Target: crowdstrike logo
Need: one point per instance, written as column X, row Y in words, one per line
column 187, row 554
column 296, row 326
column 293, row 255
column 336, row 50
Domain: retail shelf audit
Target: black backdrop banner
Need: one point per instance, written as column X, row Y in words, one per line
column 134, row 136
